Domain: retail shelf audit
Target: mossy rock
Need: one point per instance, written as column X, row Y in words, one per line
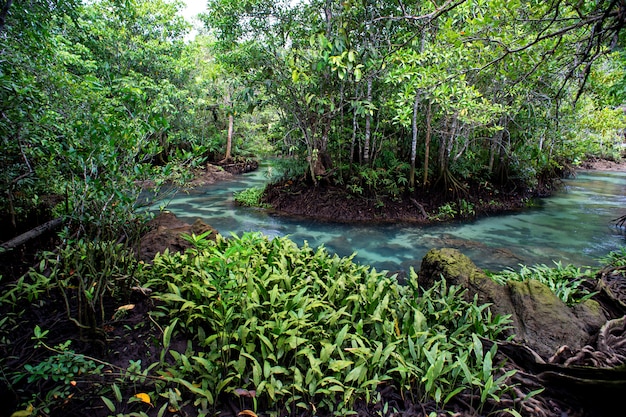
column 539, row 318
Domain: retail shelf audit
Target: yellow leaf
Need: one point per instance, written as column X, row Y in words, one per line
column 144, row 397
column 247, row 413
column 126, row 307
column 24, row 413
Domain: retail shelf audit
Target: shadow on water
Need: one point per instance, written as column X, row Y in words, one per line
column 574, row 226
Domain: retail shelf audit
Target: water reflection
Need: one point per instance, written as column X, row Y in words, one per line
column 574, row 226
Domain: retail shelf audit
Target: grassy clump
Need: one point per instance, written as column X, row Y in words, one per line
column 615, row 259
column 565, row 281
column 251, row 197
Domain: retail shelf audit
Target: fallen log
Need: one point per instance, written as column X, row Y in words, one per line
column 32, row 234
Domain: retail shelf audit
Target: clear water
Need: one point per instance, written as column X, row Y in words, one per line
column 574, row 226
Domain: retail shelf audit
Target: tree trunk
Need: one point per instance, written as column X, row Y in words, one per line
column 496, row 143
column 427, row 142
column 414, row 140
column 443, row 146
column 354, row 129
column 231, row 123
column 368, row 125
column 229, row 138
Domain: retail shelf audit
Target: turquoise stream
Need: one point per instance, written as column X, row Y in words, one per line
column 574, row 226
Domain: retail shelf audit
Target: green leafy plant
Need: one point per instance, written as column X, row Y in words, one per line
column 445, row 212
column 566, row 281
column 615, row 259
column 64, row 366
column 251, row 197
column 302, row 328
column 64, row 376
column 355, row 189
column 88, row 272
column 466, row 208
column 56, row 375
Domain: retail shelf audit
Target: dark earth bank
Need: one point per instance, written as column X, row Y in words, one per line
column 327, row 202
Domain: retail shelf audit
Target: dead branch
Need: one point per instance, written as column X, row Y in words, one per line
column 32, row 234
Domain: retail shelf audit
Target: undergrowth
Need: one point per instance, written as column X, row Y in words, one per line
column 287, row 329
column 250, row 197
column 306, row 330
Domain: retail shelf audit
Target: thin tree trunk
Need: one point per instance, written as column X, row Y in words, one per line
column 229, row 139
column 231, row 124
column 414, row 140
column 452, row 140
column 354, row 128
column 368, row 124
column 496, row 143
column 443, row 145
column 427, row 142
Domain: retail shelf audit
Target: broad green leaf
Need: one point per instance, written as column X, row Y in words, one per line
column 339, row 365
column 109, row 404
column 341, row 335
column 357, row 373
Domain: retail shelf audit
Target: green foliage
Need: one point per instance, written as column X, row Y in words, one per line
column 103, row 97
column 306, row 329
column 447, row 211
column 466, row 208
column 615, row 259
column 62, row 367
column 65, row 376
column 288, row 167
column 600, row 131
column 55, row 375
column 565, row 281
column 484, row 102
column 251, row 197
column 87, row 273
column 380, row 182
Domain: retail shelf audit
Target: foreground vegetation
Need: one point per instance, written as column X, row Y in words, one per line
column 281, row 327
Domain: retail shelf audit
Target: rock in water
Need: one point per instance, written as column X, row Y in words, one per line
column 540, row 320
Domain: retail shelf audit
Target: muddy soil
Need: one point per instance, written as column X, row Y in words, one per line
column 327, row 202
column 333, row 203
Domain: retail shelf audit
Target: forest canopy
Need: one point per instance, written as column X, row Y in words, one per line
column 382, row 97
